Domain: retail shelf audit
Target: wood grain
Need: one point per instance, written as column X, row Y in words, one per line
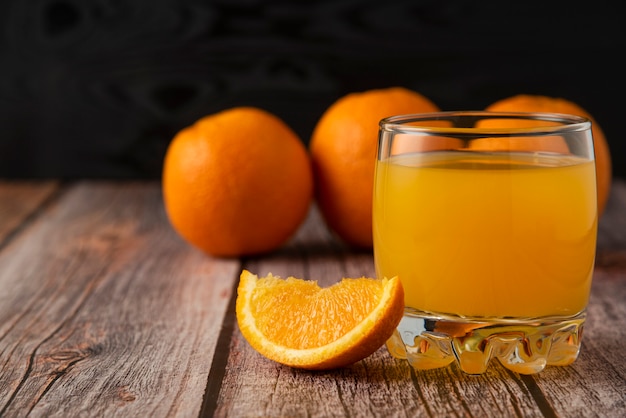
column 104, row 311
column 382, row 386
column 377, row 386
column 611, row 254
column 19, row 200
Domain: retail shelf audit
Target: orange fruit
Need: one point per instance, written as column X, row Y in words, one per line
column 539, row 103
column 297, row 323
column 408, row 143
column 552, row 143
column 546, row 144
column 343, row 150
column 237, row 182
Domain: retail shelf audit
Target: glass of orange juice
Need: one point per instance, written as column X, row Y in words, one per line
column 489, row 219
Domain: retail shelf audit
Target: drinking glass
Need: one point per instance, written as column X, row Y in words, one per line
column 489, row 220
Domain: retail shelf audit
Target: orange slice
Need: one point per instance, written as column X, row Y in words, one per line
column 297, row 323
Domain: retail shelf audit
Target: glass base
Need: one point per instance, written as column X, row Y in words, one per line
column 525, row 346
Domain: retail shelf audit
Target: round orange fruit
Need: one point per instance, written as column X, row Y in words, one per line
column 540, row 103
column 343, row 151
column 297, row 323
column 237, row 182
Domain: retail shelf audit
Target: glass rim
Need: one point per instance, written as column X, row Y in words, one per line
column 567, row 123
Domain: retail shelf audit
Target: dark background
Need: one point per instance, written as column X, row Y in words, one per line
column 98, row 88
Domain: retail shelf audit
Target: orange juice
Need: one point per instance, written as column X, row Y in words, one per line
column 487, row 235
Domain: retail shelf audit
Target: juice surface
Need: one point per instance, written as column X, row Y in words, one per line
column 489, row 235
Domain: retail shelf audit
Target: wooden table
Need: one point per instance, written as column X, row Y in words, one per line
column 105, row 311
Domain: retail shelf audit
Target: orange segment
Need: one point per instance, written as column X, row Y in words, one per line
column 297, row 323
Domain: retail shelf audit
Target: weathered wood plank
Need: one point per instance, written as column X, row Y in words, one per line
column 105, row 311
column 612, row 225
column 382, row 386
column 377, row 386
column 18, row 200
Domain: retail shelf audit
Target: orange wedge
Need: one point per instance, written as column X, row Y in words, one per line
column 297, row 323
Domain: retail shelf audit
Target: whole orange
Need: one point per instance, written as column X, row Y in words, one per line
column 540, row 103
column 237, row 182
column 343, row 151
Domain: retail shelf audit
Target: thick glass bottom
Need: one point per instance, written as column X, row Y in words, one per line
column 525, row 346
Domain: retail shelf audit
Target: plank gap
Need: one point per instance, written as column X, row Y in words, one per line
column 537, row 394
column 220, row 358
